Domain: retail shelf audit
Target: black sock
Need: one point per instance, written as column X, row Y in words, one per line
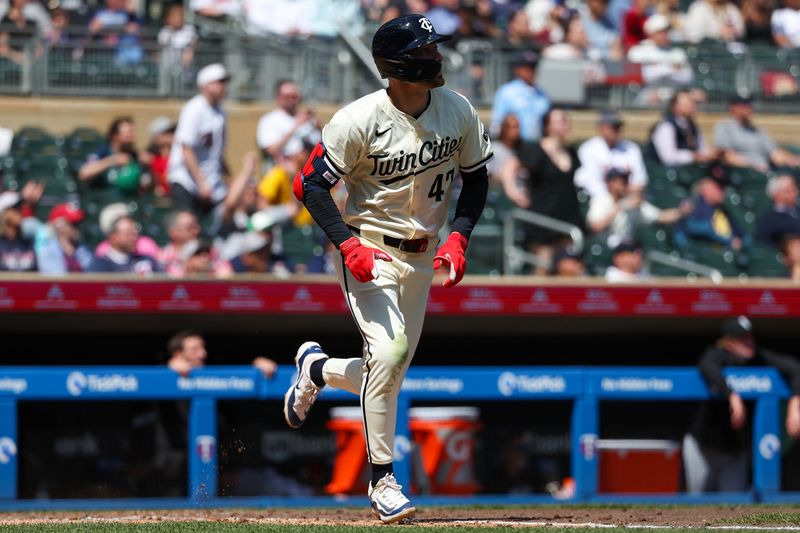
column 315, row 372
column 378, row 471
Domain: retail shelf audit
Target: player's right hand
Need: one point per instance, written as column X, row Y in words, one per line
column 360, row 259
column 738, row 412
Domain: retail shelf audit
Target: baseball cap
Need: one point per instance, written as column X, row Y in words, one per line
column 110, row 214
column 626, row 246
column 736, row 327
column 740, row 99
column 194, row 247
column 527, row 58
column 69, row 212
column 9, row 199
column 212, row 73
column 616, row 172
column 161, row 125
column 656, row 23
column 611, row 118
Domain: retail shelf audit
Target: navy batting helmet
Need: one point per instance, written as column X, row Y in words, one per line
column 393, row 43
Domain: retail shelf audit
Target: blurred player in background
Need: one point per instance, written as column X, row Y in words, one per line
column 716, row 451
column 399, row 151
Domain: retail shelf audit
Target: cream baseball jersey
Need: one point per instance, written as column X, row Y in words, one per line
column 399, row 170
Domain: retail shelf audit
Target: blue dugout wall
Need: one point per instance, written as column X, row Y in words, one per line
column 586, row 387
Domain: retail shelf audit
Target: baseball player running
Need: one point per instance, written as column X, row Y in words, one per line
column 398, row 151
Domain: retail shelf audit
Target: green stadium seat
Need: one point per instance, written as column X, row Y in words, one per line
column 597, row 256
column 766, row 262
column 654, row 237
column 714, row 256
column 301, row 244
column 31, row 140
column 485, row 251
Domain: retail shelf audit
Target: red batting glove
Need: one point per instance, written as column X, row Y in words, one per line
column 452, row 252
column 360, row 259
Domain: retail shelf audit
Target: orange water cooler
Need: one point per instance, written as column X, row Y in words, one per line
column 443, row 461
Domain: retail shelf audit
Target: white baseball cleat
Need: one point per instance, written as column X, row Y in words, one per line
column 388, row 501
column 303, row 393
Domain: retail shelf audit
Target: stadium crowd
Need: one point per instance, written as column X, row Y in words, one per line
column 172, row 206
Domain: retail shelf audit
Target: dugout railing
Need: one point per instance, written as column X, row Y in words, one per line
column 586, row 387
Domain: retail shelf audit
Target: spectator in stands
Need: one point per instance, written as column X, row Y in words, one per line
column 609, row 150
column 677, row 18
column 187, row 352
column 664, row 67
column 790, row 248
column 118, row 163
column 118, row 29
column 518, row 34
column 196, row 168
column 550, row 164
column 59, row 33
column 217, row 9
column 144, row 245
column 184, row 248
column 757, row 16
column 567, row 264
column 783, row 218
column 601, row 31
column 121, row 256
column 290, row 18
column 719, row 20
column 58, row 243
column 178, row 41
column 275, row 187
column 785, row 24
column 505, row 147
column 16, row 251
column 616, row 215
column 288, row 127
column 717, row 448
column 256, row 256
column 677, row 140
column 633, row 30
column 576, row 46
column 743, row 144
column 17, row 30
column 522, row 98
column 162, row 134
column 709, row 220
column 445, row 16
column 201, row 259
column 182, row 228
column 626, row 264
column 34, row 12
column 324, row 263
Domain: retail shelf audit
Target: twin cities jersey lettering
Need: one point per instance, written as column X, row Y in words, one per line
column 398, row 169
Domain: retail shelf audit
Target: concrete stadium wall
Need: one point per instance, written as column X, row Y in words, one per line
column 61, row 115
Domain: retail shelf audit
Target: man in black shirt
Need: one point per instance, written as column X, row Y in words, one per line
column 716, row 451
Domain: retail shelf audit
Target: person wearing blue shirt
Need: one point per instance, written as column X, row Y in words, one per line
column 709, row 221
column 122, row 258
column 521, row 98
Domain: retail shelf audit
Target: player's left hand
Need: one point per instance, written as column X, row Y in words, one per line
column 452, row 253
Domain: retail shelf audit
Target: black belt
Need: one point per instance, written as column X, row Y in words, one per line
column 409, row 246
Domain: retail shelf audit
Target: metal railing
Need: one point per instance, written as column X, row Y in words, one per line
column 690, row 267
column 340, row 69
column 514, row 257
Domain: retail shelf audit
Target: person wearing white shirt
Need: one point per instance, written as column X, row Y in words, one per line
column 196, row 165
column 713, row 19
column 615, row 215
column 785, row 24
column 609, row 150
column 677, row 140
column 627, row 264
column 283, row 132
column 663, row 66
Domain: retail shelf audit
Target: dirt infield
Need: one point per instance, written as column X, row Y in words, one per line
column 600, row 516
